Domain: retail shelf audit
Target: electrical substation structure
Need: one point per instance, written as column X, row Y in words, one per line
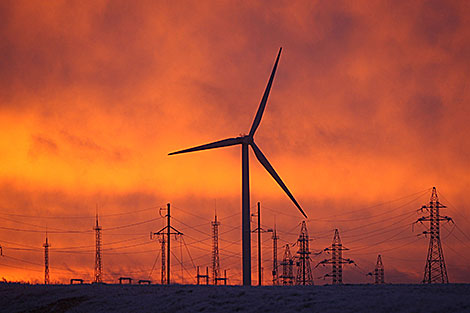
column 304, row 274
column 98, row 264
column 435, row 270
column 203, row 276
column 46, row 261
column 167, row 231
column 287, row 263
column 336, row 260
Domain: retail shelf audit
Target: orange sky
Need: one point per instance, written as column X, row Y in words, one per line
column 369, row 104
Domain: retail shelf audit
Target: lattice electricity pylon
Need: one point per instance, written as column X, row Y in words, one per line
column 275, row 238
column 215, row 251
column 304, row 275
column 435, row 270
column 98, row 265
column 167, row 231
column 163, row 269
column 336, row 260
column 378, row 272
column 287, row 263
column 46, row 261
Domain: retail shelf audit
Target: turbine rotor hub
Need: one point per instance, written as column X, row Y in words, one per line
column 246, row 139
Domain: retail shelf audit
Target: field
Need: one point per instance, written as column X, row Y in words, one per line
column 189, row 298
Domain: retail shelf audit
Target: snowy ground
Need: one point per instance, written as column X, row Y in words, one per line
column 176, row 298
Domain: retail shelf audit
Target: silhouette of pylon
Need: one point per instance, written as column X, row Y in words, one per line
column 379, row 271
column 304, row 271
column 167, row 231
column 287, row 263
column 215, row 250
column 163, row 268
column 46, row 261
column 435, row 270
column 336, row 259
column 98, row 265
column 275, row 238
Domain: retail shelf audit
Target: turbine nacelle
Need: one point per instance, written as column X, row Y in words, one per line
column 247, row 139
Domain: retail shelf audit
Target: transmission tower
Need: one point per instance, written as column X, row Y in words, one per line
column 304, row 271
column 379, row 271
column 336, row 259
column 215, row 250
column 287, row 263
column 46, row 261
column 167, row 231
column 163, row 273
column 98, row 268
column 275, row 238
column 435, row 270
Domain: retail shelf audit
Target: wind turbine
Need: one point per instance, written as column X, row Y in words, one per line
column 245, row 141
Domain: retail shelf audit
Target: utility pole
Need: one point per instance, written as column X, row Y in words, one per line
column 46, row 261
column 98, row 265
column 215, row 250
column 275, row 238
column 287, row 263
column 304, row 271
column 435, row 270
column 336, row 259
column 260, row 230
column 168, row 230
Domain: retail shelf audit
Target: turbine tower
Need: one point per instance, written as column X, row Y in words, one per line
column 245, row 141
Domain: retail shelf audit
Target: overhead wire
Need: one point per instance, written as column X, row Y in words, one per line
column 79, row 216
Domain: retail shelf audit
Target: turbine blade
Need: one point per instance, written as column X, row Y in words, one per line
column 216, row 144
column 262, row 159
column 262, row 105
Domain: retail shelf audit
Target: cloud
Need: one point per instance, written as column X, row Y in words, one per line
column 41, row 145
